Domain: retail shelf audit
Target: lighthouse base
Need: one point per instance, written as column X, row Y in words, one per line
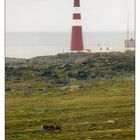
column 77, row 39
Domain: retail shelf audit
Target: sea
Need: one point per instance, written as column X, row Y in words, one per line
column 32, row 44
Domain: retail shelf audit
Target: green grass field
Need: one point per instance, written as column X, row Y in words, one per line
column 90, row 96
column 101, row 112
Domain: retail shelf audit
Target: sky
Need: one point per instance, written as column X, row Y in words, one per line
column 56, row 15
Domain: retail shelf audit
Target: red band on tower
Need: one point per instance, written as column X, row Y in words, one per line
column 76, row 3
column 76, row 16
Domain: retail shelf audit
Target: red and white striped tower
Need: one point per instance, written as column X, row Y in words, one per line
column 77, row 36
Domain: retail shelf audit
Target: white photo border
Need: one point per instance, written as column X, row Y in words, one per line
column 2, row 70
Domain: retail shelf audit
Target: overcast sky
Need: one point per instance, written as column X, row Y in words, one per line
column 56, row 15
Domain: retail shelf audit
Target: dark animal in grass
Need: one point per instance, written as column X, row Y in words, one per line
column 51, row 127
column 46, row 128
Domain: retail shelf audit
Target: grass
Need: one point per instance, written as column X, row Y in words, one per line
column 102, row 112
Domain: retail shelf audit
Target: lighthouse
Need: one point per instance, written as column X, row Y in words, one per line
column 76, row 35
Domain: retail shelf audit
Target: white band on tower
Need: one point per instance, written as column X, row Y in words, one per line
column 77, row 22
column 76, row 10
